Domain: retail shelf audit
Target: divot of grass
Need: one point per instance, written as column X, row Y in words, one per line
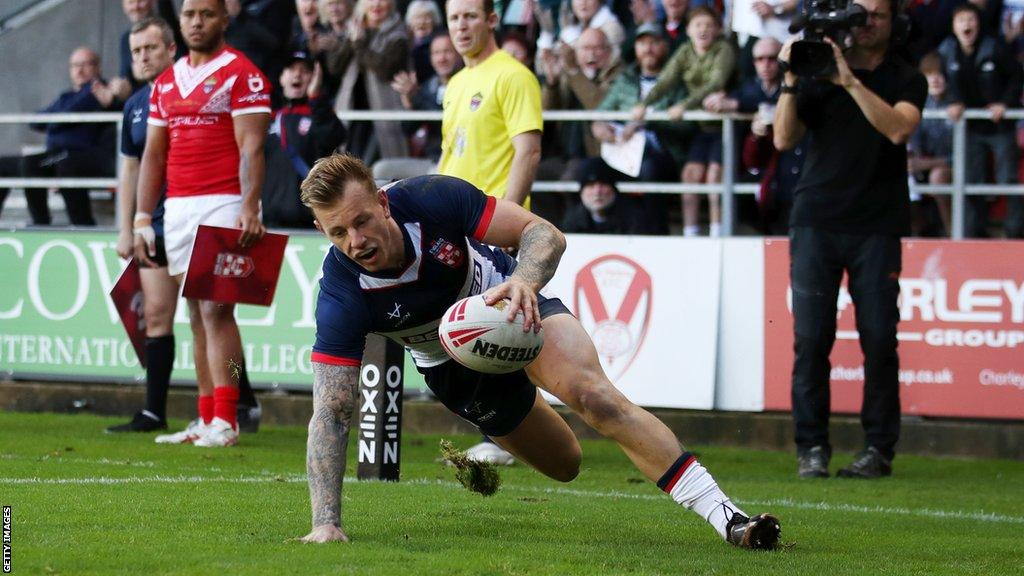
column 479, row 477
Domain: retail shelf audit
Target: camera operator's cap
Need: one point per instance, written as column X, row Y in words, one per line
column 595, row 170
column 301, row 56
column 650, row 29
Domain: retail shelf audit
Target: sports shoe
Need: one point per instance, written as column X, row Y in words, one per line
column 248, row 418
column 189, row 435
column 813, row 463
column 218, row 434
column 141, row 422
column 491, row 453
column 758, row 533
column 867, row 464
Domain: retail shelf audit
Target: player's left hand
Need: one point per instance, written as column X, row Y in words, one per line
column 251, row 225
column 843, row 76
column 521, row 297
column 324, row 534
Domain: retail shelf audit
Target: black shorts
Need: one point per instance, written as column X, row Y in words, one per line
column 494, row 403
column 161, row 255
column 706, row 148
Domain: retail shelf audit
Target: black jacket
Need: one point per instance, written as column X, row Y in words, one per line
column 994, row 77
column 74, row 136
column 302, row 132
column 623, row 217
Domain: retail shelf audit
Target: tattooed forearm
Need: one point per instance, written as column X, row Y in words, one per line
column 334, row 399
column 244, row 175
column 252, row 170
column 540, row 249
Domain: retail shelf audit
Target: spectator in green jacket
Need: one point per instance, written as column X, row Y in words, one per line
column 665, row 148
column 704, row 65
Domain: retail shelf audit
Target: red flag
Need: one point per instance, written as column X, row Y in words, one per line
column 222, row 271
column 127, row 296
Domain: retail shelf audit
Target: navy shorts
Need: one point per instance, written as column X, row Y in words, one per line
column 494, row 403
column 706, row 148
column 161, row 255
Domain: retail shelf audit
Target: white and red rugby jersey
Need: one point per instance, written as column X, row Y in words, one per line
column 196, row 105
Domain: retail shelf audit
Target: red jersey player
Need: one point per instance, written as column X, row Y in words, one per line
column 207, row 122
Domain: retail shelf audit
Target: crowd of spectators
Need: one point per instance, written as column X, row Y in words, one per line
column 636, row 56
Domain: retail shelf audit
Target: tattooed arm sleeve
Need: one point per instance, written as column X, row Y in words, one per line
column 540, row 250
column 334, row 399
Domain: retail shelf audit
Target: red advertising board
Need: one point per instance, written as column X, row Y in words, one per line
column 961, row 332
column 128, row 299
column 222, row 271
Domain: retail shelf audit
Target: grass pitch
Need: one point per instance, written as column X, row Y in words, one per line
column 85, row 502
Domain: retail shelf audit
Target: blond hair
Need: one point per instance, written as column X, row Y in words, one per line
column 325, row 183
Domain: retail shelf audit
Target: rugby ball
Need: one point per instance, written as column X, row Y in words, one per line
column 481, row 338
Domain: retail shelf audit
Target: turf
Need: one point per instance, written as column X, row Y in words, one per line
column 85, row 502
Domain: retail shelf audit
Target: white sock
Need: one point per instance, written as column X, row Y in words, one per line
column 692, row 486
column 691, row 231
column 715, row 230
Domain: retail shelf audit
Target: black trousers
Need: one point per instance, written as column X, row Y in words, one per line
column 60, row 164
column 873, row 262
column 656, row 166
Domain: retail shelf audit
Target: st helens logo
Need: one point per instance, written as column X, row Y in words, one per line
column 612, row 298
column 230, row 265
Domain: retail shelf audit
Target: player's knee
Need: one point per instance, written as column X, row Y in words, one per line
column 571, row 465
column 209, row 309
column 159, row 316
column 331, row 410
column 215, row 311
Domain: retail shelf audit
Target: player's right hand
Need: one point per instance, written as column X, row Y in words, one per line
column 324, row 534
column 521, row 297
column 251, row 225
column 145, row 239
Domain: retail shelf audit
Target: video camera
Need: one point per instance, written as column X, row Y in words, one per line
column 820, row 19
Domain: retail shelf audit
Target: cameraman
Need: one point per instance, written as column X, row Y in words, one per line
column 850, row 209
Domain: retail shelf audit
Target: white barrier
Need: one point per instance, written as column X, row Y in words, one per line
column 651, row 307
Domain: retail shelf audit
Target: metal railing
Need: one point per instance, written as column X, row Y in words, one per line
column 16, row 14
column 64, row 118
column 728, row 188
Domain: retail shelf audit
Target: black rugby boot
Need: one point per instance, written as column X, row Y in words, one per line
column 758, row 533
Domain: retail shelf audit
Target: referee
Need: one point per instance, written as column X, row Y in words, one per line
column 491, row 126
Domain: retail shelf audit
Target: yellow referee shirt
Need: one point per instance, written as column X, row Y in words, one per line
column 484, row 107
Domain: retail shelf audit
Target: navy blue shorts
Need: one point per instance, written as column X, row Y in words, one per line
column 706, row 148
column 494, row 403
column 161, row 255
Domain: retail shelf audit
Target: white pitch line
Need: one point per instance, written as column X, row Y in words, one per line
column 788, row 503
column 60, row 458
column 980, row 515
column 106, row 480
